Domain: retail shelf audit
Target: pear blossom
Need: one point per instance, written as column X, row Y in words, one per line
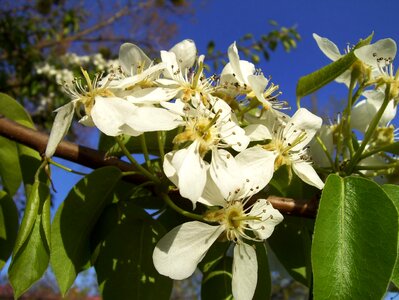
column 289, row 139
column 379, row 56
column 183, row 80
column 364, row 111
column 234, row 76
column 82, row 95
column 239, row 77
column 178, row 253
column 206, row 130
column 137, row 70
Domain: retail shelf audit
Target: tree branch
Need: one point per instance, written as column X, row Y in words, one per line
column 95, row 159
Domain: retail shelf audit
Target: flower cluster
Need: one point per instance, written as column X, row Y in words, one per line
column 230, row 137
column 360, row 138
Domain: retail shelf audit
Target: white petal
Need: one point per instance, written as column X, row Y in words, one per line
column 131, row 57
column 225, row 171
column 192, row 174
column 221, row 107
column 344, row 78
column 148, row 118
column 258, row 132
column 185, row 52
column 151, row 95
column 178, row 107
column 132, row 80
column 226, row 76
column 245, row 272
column 232, row 53
column 87, row 121
column 258, row 84
column 61, row 124
column 328, row 47
column 306, row 172
column 247, row 69
column 384, row 49
column 212, row 195
column 172, row 66
column 178, row 253
column 257, row 168
column 234, row 136
column 302, row 121
column 172, row 162
column 270, row 218
column 362, row 114
column 109, row 114
column 389, row 114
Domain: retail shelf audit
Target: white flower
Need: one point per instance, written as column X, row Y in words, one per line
column 182, row 80
column 178, row 253
column 239, row 77
column 332, row 52
column 364, row 111
column 208, row 130
column 379, row 56
column 289, row 138
column 137, row 72
column 234, row 76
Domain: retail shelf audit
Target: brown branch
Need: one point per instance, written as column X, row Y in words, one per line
column 122, row 12
column 95, row 159
column 75, row 153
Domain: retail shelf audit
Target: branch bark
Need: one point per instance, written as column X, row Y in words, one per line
column 95, row 159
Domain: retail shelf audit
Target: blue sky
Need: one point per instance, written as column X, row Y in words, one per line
column 226, row 21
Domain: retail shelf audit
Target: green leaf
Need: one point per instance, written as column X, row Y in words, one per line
column 133, row 144
column 8, row 226
column 217, row 273
column 393, row 193
column 29, row 159
column 285, row 183
column 216, row 283
column 355, row 240
column 126, row 237
column 74, row 220
column 314, row 81
column 30, row 260
column 264, row 285
column 10, row 171
column 11, row 109
column 36, row 199
column 294, row 233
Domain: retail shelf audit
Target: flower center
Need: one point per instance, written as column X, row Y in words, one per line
column 283, row 148
column 201, row 129
column 86, row 94
column 234, row 218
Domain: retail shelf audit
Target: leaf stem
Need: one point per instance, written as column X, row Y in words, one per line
column 323, row 146
column 144, row 148
column 161, row 144
column 370, row 131
column 65, row 168
column 181, row 211
column 134, row 162
column 347, row 117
